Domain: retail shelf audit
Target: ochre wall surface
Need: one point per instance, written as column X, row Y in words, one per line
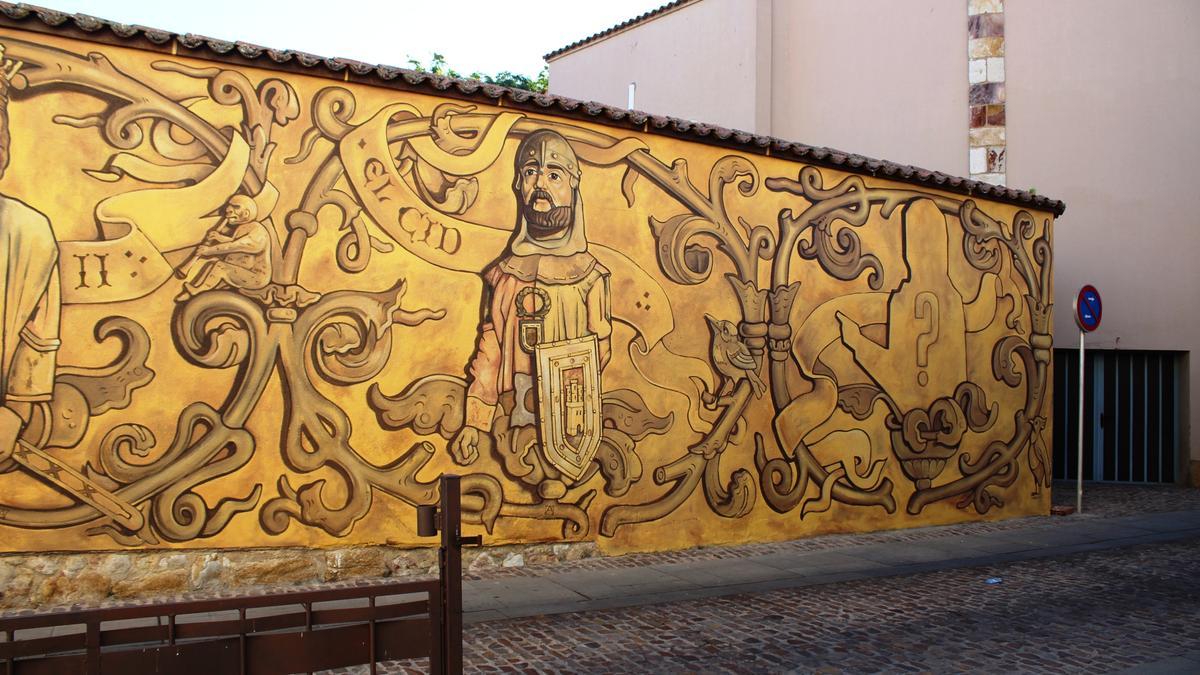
column 284, row 305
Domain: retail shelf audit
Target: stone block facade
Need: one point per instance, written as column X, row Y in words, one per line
column 986, row 99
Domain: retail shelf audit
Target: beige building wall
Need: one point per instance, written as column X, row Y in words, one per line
column 884, row 79
column 1102, row 102
column 1103, row 98
column 696, row 61
column 829, row 74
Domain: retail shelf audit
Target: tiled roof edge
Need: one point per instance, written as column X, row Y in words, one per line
column 84, row 27
column 629, row 23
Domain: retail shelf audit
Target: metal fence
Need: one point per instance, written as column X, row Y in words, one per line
column 293, row 632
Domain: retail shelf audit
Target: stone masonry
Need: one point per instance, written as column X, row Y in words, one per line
column 985, row 77
column 42, row 581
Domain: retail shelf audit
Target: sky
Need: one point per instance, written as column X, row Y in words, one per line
column 484, row 36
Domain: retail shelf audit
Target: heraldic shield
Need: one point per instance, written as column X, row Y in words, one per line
column 568, row 389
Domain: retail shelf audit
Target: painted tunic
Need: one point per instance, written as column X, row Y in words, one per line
column 31, row 297
column 577, row 288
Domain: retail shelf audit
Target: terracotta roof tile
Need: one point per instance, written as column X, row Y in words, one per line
column 80, row 26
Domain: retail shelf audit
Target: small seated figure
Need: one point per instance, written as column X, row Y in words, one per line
column 236, row 253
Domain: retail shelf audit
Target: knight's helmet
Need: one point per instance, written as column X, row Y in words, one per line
column 548, row 149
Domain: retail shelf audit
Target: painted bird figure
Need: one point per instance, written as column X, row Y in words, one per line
column 732, row 358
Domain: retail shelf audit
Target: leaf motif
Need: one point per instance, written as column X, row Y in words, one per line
column 858, row 399
column 627, row 183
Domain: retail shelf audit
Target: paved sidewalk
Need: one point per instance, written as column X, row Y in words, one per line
column 1131, row 609
column 553, row 590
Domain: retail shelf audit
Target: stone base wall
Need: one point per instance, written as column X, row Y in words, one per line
column 48, row 580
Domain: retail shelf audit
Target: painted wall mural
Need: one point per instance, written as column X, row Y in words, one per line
column 249, row 308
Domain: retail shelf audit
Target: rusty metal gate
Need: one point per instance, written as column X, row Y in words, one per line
column 294, row 632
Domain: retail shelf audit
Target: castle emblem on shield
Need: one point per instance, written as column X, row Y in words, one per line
column 568, row 389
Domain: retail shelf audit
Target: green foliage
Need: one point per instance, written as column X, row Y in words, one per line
column 505, row 78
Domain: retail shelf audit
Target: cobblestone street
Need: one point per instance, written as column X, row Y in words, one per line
column 1097, row 612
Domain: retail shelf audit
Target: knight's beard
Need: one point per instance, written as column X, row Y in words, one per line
column 548, row 224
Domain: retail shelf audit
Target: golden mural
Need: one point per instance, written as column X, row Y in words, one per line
column 245, row 308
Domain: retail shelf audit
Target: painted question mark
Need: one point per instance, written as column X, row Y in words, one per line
column 926, row 309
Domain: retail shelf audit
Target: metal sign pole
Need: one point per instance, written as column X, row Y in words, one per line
column 1079, row 459
column 1088, row 311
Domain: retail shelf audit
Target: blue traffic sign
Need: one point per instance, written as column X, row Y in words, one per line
column 1088, row 309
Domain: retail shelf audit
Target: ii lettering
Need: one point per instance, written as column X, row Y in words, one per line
column 99, row 270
